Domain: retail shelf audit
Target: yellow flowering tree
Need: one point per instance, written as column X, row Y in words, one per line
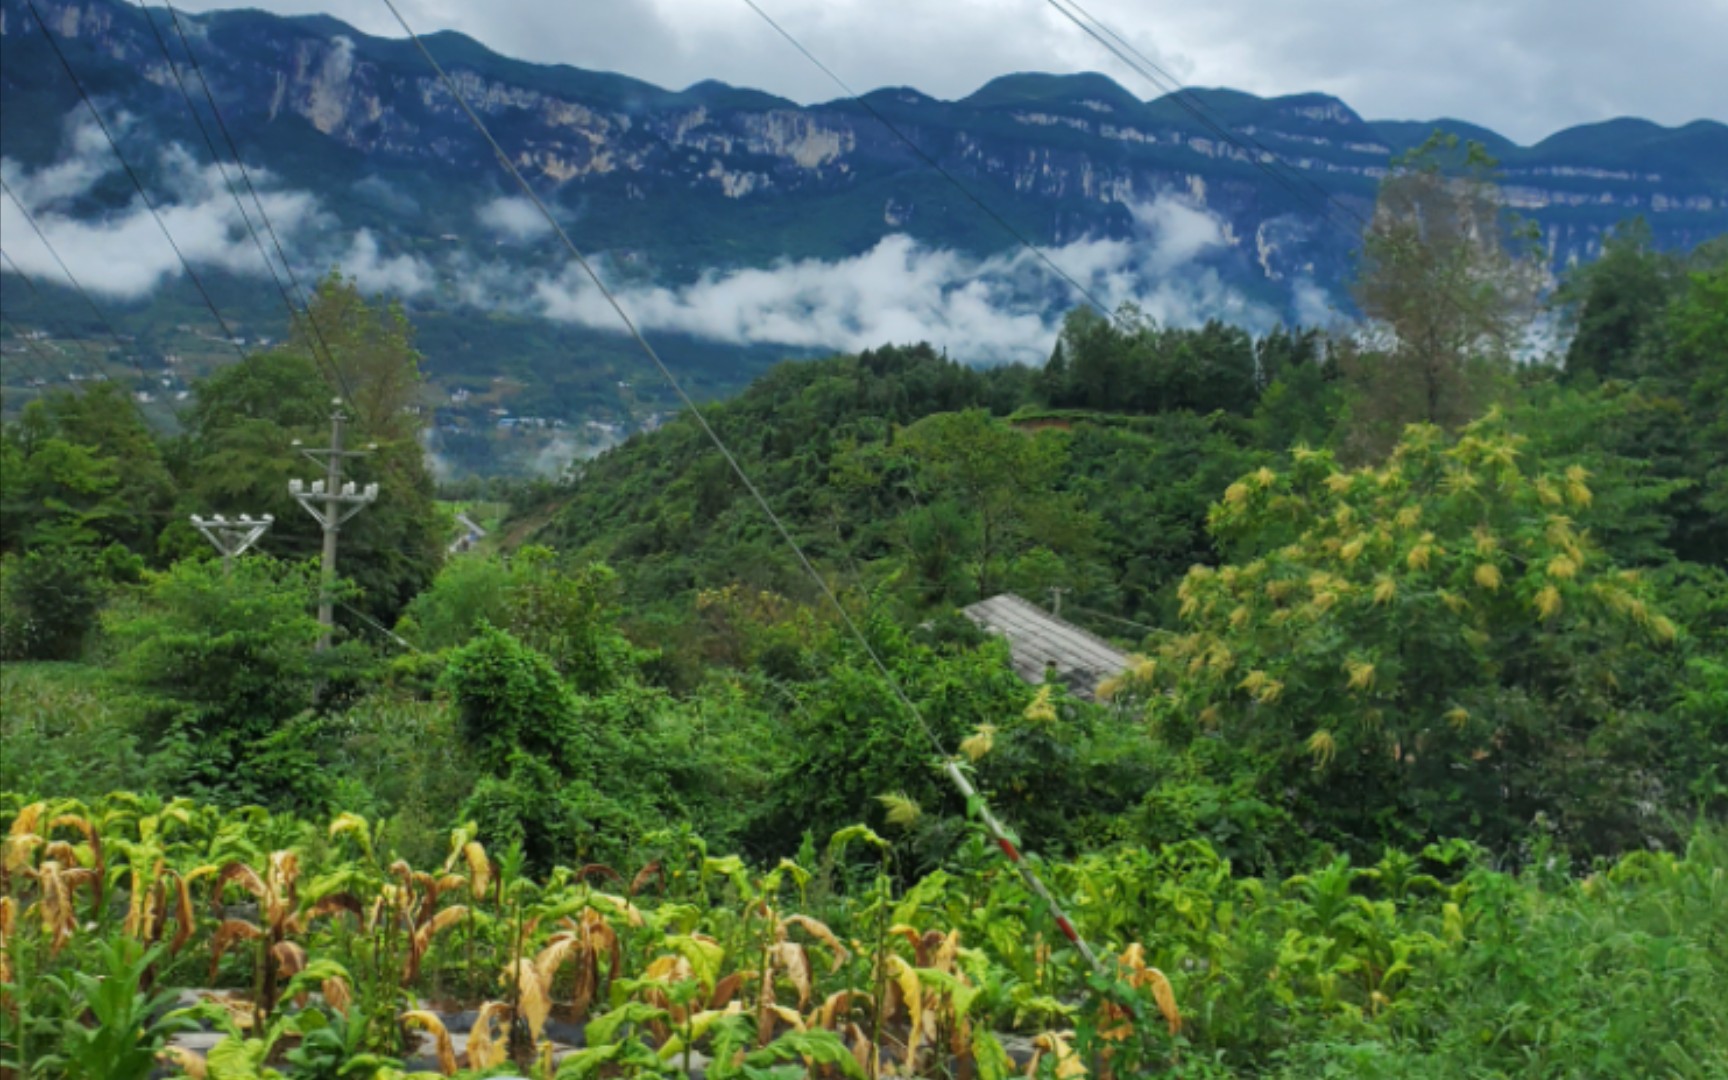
column 1431, row 646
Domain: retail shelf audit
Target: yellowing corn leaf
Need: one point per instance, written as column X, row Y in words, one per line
column 559, row 948
column 905, row 976
column 786, row 1016
column 1165, row 995
column 8, row 914
column 27, row 820
column 836, row 1006
column 19, row 847
column 485, row 1049
column 1068, row 1064
column 337, row 994
column 668, row 968
column 279, row 899
column 644, row 876
column 355, row 825
column 440, row 922
column 239, row 873
column 184, row 919
column 58, row 916
column 228, row 933
column 290, row 958
column 479, row 868
column 429, row 1022
column 705, row 957
column 947, row 952
column 795, row 962
column 532, row 996
column 618, row 903
column 185, row 1060
column 820, row 932
column 91, row 837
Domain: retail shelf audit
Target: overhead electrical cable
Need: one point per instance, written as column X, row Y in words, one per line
column 16, row 269
column 305, row 295
column 294, row 313
column 71, row 278
column 1264, row 159
column 126, row 351
column 931, row 161
column 950, row 766
column 1258, row 156
column 137, row 183
column 30, row 346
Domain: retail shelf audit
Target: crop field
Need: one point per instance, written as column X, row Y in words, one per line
column 245, row 944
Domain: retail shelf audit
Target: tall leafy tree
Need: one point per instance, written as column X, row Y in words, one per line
column 1433, row 647
column 241, row 453
column 226, row 666
column 1451, row 284
column 1615, row 303
column 83, row 469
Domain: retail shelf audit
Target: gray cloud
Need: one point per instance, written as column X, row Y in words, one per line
column 193, row 203
column 992, row 310
column 1523, row 67
column 513, row 218
column 996, row 309
column 123, row 254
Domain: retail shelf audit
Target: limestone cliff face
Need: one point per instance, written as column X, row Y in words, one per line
column 759, row 177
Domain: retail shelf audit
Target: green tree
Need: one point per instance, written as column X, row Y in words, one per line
column 240, row 453
column 1434, row 647
column 1615, row 302
column 1452, row 286
column 992, row 475
column 49, row 599
column 81, row 469
column 368, row 354
column 227, row 664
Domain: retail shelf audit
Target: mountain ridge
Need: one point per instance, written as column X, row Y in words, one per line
column 721, row 205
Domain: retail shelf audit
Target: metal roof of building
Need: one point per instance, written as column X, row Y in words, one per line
column 1038, row 640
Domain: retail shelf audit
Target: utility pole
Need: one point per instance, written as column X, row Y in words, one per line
column 232, row 538
column 340, row 502
column 1056, row 592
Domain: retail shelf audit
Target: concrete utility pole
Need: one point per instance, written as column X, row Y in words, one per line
column 1056, row 592
column 232, row 537
column 341, row 502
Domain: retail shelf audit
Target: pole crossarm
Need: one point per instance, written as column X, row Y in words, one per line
column 351, row 498
column 232, row 536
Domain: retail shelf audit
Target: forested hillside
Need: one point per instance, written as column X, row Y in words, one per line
column 1418, row 766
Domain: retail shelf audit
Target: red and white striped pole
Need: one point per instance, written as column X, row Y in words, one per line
column 1030, row 877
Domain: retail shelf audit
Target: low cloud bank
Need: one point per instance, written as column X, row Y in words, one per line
column 1001, row 308
column 121, row 254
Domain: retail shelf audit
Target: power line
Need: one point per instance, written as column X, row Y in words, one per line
column 221, row 166
column 929, row 160
column 950, row 766
column 126, row 351
column 1193, row 108
column 7, row 259
column 317, row 340
column 1198, row 110
column 132, row 175
column 77, row 286
column 30, row 345
column 258, row 202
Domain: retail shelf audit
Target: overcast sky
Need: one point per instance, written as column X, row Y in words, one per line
column 1525, row 68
